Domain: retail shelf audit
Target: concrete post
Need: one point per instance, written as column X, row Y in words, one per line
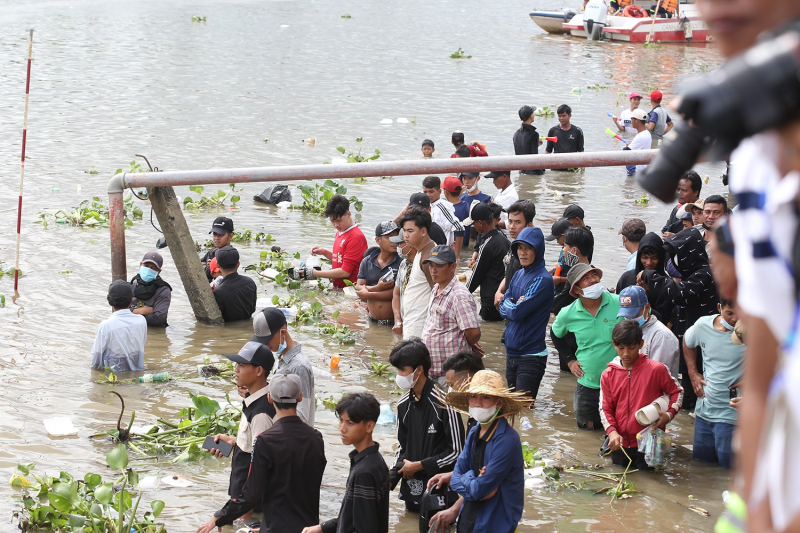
column 184, row 253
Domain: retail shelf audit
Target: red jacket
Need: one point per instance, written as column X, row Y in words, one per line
column 474, row 151
column 623, row 392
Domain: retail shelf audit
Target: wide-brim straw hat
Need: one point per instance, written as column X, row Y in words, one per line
column 489, row 383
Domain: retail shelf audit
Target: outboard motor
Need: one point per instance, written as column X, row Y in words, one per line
column 595, row 18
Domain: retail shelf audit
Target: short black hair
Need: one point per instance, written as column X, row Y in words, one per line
column 337, row 206
column 428, row 142
column 564, row 108
column 627, row 333
column 525, row 112
column 717, row 199
column 411, row 352
column 463, row 151
column 497, row 210
column 119, row 303
column 463, row 362
column 432, row 182
column 526, row 207
column 582, row 239
column 723, row 302
column 419, row 216
column 359, row 406
column 695, row 180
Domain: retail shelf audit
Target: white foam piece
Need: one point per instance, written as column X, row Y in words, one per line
column 148, row 482
column 284, row 205
column 284, row 25
column 270, row 273
column 402, row 120
column 60, row 426
column 176, row 481
column 336, row 160
column 141, row 429
column 386, row 121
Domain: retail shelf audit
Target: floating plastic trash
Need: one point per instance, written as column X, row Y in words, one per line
column 350, row 291
column 311, row 141
column 284, row 25
column 386, row 121
column 150, row 378
column 336, row 160
column 402, row 120
column 149, row 482
column 142, row 430
column 335, row 358
column 387, row 416
column 269, row 273
column 576, row 90
column 60, row 427
column 176, row 481
column 525, row 423
column 55, row 189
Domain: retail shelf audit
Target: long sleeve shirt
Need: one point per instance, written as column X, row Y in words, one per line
column 160, row 303
column 119, row 342
column 489, row 268
column 365, row 507
column 428, row 431
column 294, row 361
column 285, row 476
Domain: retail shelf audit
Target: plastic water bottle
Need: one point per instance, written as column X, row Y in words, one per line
column 149, row 378
column 387, row 416
column 524, row 423
column 289, row 312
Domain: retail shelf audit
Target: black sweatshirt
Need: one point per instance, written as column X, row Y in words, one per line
column 365, row 507
column 489, row 271
column 285, row 476
column 428, row 431
column 236, row 297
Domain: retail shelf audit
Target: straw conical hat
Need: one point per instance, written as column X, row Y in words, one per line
column 489, row 383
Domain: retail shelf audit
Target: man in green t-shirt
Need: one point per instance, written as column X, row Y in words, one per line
column 591, row 318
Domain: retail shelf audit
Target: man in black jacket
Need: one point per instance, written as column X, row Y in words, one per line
column 489, row 269
column 236, row 295
column 526, row 138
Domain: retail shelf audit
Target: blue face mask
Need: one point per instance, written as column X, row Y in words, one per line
column 147, row 274
column 641, row 321
column 281, row 347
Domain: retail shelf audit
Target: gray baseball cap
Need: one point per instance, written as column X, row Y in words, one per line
column 285, row 388
column 441, row 255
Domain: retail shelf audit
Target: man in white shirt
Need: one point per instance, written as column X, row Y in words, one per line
column 120, row 339
column 623, row 121
column 642, row 140
column 506, row 195
column 443, row 212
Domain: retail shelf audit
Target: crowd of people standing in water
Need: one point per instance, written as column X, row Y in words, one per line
column 661, row 336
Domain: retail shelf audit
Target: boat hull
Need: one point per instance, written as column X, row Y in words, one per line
column 550, row 21
column 636, row 30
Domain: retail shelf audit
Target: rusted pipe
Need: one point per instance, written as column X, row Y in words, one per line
column 388, row 168
column 116, row 225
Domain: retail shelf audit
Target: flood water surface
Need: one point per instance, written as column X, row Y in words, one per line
column 244, row 88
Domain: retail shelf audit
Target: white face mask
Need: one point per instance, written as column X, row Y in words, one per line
column 725, row 324
column 593, row 292
column 406, row 382
column 483, row 414
column 471, row 189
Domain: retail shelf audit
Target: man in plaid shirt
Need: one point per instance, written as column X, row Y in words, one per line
column 452, row 324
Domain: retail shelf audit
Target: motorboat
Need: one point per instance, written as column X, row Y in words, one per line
column 595, row 23
column 553, row 21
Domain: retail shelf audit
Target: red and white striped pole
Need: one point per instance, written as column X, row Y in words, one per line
column 22, row 166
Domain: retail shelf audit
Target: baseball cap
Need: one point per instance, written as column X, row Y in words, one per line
column 222, row 225
column 419, row 199
column 397, row 239
column 385, row 228
column 577, row 272
column 683, row 214
column 253, row 353
column 155, row 258
column 457, row 137
column 497, row 173
column 559, row 228
column 656, row 95
column 638, row 114
column 470, row 174
column 452, row 184
column 631, row 301
column 266, row 324
column 441, row 255
column 227, row 256
column 633, row 228
column 634, row 94
column 285, row 388
column 213, row 266
column 120, row 289
column 574, row 211
column 479, row 211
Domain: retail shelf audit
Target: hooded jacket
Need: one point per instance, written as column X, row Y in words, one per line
column 527, row 326
column 695, row 294
column 623, row 392
column 659, row 303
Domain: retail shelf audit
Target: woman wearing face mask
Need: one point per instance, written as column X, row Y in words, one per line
column 152, row 295
column 489, row 472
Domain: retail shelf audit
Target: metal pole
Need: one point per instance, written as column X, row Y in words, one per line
column 116, row 225
column 22, row 167
column 388, row 168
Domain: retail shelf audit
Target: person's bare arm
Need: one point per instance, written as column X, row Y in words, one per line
column 457, row 243
column 669, row 127
column 398, row 319
column 690, row 356
column 650, row 126
column 334, row 273
column 473, row 335
column 319, row 250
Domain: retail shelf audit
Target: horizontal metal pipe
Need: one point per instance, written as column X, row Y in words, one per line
column 386, row 168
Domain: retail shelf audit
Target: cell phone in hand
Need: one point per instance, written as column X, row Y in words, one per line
column 223, row 447
column 389, row 276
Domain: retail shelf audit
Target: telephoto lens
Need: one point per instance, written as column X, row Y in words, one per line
column 680, row 151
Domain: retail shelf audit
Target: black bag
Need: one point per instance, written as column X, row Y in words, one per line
column 435, row 500
column 274, row 194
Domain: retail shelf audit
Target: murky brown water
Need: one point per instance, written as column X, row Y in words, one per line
column 115, row 78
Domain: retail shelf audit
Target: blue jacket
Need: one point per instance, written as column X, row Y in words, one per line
column 504, row 471
column 527, row 326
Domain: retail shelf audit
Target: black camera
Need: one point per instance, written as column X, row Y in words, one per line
column 753, row 92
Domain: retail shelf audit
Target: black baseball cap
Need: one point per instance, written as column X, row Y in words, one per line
column 222, row 225
column 227, row 256
column 457, row 137
column 254, row 353
column 120, row 289
column 419, row 199
column 441, row 254
column 497, row 173
column 481, row 212
column 266, row 324
column 153, row 257
column 574, row 211
column 559, row 228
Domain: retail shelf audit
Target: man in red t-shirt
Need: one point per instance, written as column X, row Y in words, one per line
column 348, row 247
